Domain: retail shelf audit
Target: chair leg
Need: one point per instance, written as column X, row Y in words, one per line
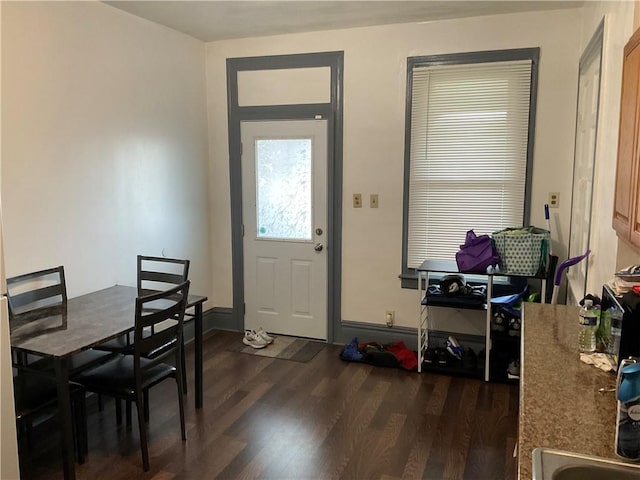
column 23, row 448
column 85, row 428
column 184, row 370
column 142, row 425
column 28, row 435
column 79, row 428
column 146, row 405
column 179, row 378
column 118, row 412
column 128, row 412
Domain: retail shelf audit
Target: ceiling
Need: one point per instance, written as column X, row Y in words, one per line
column 222, row 20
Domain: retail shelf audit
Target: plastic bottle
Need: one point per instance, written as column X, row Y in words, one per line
column 628, row 415
column 588, row 325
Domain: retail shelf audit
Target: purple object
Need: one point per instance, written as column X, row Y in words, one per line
column 477, row 253
column 563, row 266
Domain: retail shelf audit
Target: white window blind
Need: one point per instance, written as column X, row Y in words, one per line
column 468, row 158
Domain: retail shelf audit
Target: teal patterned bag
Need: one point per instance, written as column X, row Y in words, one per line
column 523, row 250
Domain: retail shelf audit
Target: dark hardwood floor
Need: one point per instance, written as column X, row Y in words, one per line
column 279, row 419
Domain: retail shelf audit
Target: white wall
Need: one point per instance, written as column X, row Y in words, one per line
column 9, row 468
column 374, row 99
column 105, row 143
column 618, row 29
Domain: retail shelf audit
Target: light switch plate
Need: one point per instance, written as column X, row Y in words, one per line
column 373, row 200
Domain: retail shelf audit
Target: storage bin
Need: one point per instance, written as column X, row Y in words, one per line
column 523, row 250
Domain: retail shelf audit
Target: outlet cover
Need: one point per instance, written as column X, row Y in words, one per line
column 357, row 200
column 554, row 200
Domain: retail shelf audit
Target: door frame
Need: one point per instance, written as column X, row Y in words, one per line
column 594, row 51
column 333, row 113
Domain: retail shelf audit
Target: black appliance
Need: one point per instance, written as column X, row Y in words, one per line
column 622, row 313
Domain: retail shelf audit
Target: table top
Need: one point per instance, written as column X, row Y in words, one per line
column 90, row 320
column 560, row 405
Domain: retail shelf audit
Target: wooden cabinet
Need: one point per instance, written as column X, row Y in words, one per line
column 626, row 210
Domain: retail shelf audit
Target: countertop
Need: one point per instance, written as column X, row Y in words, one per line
column 560, row 406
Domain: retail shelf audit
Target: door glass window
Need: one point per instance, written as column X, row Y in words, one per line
column 283, row 188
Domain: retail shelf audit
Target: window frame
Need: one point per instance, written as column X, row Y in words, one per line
column 409, row 276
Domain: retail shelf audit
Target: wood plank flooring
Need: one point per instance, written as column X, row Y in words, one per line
column 279, row 419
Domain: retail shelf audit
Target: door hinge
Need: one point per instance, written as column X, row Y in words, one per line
column 244, row 309
column 240, row 148
column 243, row 229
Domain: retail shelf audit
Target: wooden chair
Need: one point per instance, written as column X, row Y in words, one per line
column 38, row 302
column 155, row 274
column 36, row 400
column 129, row 377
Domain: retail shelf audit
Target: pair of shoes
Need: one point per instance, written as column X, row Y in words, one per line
column 256, row 339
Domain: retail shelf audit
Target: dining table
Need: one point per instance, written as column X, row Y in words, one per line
column 88, row 321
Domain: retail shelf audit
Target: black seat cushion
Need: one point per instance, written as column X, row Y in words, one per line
column 36, row 392
column 116, row 377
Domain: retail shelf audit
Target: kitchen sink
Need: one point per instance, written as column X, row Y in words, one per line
column 549, row 464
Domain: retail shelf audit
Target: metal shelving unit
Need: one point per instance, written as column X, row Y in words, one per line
column 449, row 267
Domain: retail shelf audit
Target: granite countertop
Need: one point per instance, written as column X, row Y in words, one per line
column 560, row 406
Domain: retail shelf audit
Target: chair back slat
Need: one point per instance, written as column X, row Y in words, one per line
column 51, row 292
column 158, row 323
column 33, row 295
column 159, row 273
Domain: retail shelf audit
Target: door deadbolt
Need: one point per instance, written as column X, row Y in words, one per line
column 319, row 231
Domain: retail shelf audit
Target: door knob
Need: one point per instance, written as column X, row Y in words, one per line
column 318, row 247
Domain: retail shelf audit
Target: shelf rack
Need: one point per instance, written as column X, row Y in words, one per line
column 450, row 267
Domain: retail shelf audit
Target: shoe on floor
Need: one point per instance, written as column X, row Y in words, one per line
column 513, row 370
column 442, row 357
column 430, row 356
column 254, row 340
column 264, row 335
column 514, row 327
column 469, row 359
column 350, row 351
column 454, row 348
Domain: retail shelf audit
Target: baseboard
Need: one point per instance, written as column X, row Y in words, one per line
column 371, row 332
column 216, row 318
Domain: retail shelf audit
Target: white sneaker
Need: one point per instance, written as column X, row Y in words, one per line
column 264, row 335
column 254, row 340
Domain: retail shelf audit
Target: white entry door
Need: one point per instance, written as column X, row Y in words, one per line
column 284, row 185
